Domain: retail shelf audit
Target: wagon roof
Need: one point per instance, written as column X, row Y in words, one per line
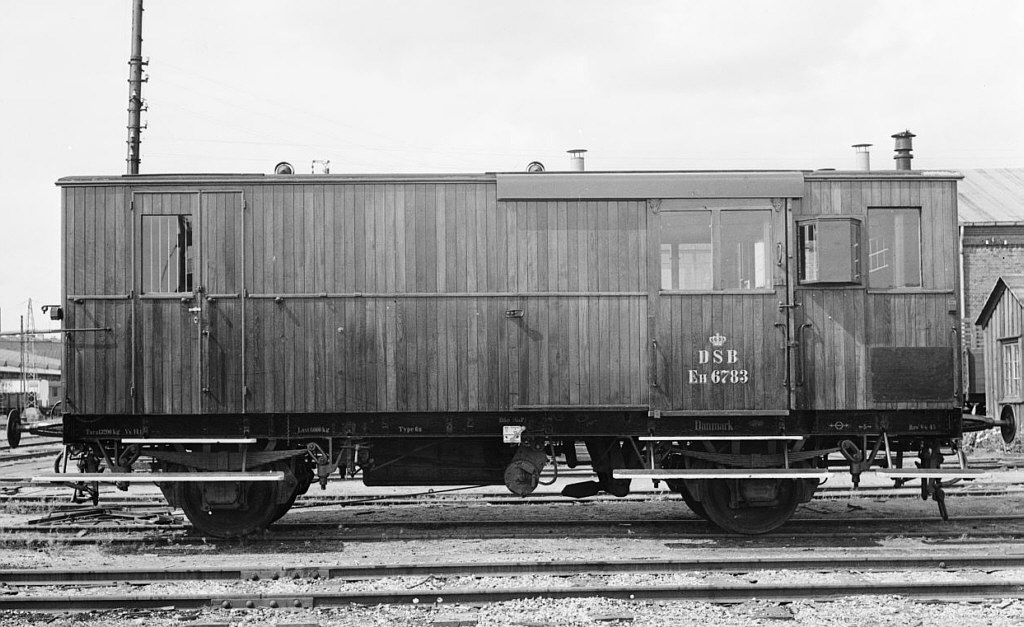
column 1014, row 283
column 561, row 185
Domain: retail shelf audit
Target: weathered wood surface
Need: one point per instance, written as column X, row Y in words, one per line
column 846, row 322
column 394, row 295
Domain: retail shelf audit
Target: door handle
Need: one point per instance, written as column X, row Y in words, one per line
column 195, row 309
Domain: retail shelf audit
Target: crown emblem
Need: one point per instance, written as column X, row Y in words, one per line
column 717, row 339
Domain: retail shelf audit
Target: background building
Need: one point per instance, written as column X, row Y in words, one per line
column 991, row 210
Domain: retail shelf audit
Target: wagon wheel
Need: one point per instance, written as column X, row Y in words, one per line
column 304, row 476
column 741, row 506
column 261, row 506
column 691, row 502
column 751, row 506
column 678, row 485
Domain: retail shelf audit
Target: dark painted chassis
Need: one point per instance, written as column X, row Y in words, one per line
column 300, row 427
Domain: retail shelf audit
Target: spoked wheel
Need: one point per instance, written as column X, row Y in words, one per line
column 750, row 506
column 258, row 510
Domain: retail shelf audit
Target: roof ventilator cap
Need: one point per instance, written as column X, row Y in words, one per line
column 576, row 159
column 904, row 146
column 862, row 156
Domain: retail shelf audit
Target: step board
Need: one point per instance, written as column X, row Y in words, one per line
column 721, row 473
column 160, row 477
column 188, row 440
column 930, row 473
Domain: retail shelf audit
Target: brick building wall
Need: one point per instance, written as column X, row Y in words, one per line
column 989, row 252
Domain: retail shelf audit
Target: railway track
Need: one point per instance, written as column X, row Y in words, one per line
column 120, row 499
column 830, row 564
column 984, row 588
column 813, row 531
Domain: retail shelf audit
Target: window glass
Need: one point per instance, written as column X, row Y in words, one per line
column 166, row 254
column 686, row 251
column 746, row 255
column 894, row 248
column 807, row 247
column 1011, row 369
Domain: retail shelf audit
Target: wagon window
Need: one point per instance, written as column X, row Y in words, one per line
column 828, row 251
column 894, row 248
column 1011, row 370
column 746, row 255
column 686, row 251
column 167, row 259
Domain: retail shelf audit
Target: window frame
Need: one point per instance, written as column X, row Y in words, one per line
column 852, row 229
column 185, row 256
column 867, row 253
column 1010, row 375
column 716, row 208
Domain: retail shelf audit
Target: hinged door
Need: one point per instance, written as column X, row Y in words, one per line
column 188, row 275
column 720, row 320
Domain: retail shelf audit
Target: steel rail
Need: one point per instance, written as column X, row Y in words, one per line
column 735, row 593
column 66, row 518
column 67, row 524
column 180, row 536
column 820, row 563
column 331, row 500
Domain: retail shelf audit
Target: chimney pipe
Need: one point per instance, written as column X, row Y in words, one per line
column 862, row 156
column 576, row 159
column 904, row 145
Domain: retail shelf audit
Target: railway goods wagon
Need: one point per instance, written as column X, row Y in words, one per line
column 738, row 335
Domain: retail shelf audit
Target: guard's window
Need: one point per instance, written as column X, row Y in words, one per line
column 686, row 251
column 166, row 254
column 716, row 249
column 1011, row 369
column 894, row 248
column 829, row 250
column 746, row 254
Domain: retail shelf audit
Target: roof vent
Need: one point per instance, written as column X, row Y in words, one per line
column 576, row 159
column 534, row 167
column 904, row 146
column 862, row 156
column 284, row 168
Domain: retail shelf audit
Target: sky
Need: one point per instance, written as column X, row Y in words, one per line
column 483, row 86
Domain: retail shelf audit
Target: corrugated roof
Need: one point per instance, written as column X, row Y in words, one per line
column 991, row 195
column 1013, row 283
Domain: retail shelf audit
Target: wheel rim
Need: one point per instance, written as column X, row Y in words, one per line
column 692, row 503
column 729, row 505
column 283, row 508
column 261, row 508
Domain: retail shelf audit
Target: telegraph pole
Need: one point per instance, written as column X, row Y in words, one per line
column 135, row 81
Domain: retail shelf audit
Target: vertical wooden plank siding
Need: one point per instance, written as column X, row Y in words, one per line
column 847, row 321
column 1005, row 322
column 95, row 272
column 362, row 297
column 582, row 289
